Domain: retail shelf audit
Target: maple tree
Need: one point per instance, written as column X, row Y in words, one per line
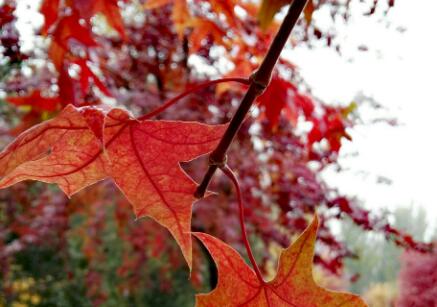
column 417, row 277
column 140, row 64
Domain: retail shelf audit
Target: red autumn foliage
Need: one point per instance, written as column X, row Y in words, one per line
column 417, row 280
column 36, row 101
column 147, row 61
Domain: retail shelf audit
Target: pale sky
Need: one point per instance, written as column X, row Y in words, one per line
column 399, row 71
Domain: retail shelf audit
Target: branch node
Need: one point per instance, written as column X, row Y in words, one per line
column 218, row 163
column 258, row 81
column 260, row 85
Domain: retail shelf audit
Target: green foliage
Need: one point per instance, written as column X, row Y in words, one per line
column 60, row 279
column 378, row 259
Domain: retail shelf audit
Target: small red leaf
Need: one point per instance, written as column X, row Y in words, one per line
column 49, row 9
column 86, row 74
column 36, row 101
column 275, row 99
column 108, row 8
column 68, row 28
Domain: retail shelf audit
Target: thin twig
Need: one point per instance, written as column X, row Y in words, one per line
column 259, row 81
column 200, row 86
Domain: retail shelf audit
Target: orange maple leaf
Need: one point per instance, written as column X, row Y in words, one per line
column 308, row 12
column 201, row 27
column 268, row 10
column 145, row 158
column 225, row 7
column 84, row 145
column 293, row 285
column 55, row 151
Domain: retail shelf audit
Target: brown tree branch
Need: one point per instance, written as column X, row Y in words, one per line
column 259, row 81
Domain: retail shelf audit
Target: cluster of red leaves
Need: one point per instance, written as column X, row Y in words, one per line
column 283, row 96
column 417, row 280
column 368, row 221
column 70, row 27
column 81, row 145
column 71, row 37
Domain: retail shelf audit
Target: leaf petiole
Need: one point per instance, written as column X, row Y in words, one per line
column 230, row 174
column 200, row 86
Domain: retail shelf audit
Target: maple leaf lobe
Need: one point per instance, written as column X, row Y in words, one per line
column 62, row 150
column 145, row 158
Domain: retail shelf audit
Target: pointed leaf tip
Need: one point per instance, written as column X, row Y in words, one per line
column 292, row 286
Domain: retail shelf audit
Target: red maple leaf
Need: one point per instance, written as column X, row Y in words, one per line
column 108, row 8
column 68, row 29
column 277, row 98
column 84, row 145
column 49, row 9
column 293, row 285
column 145, row 158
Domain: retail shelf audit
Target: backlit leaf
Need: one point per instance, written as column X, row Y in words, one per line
column 277, row 98
column 63, row 150
column 84, row 145
column 146, row 156
column 293, row 285
column 68, row 28
column 268, row 10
